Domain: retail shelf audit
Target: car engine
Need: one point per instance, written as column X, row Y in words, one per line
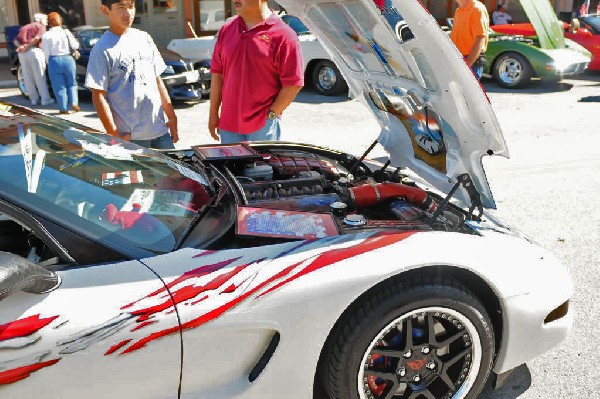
column 318, row 181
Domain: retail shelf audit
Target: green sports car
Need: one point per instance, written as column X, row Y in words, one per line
column 514, row 60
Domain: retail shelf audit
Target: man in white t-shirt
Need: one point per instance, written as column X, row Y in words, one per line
column 123, row 74
column 500, row 16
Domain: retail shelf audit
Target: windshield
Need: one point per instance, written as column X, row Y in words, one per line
column 593, row 22
column 88, row 38
column 98, row 184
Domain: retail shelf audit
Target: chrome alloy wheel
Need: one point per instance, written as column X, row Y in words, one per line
column 431, row 352
column 510, row 71
column 327, row 78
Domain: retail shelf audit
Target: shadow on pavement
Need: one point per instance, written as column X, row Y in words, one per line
column 309, row 96
column 590, row 99
column 535, row 87
column 516, row 384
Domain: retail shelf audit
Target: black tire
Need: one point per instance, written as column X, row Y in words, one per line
column 512, row 70
column 371, row 356
column 327, row 79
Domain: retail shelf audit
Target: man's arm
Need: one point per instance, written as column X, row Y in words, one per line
column 105, row 114
column 476, row 49
column 216, row 95
column 32, row 43
column 284, row 98
column 168, row 107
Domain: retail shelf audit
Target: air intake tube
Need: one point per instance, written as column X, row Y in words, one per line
column 369, row 195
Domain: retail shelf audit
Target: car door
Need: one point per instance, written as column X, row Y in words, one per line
column 87, row 337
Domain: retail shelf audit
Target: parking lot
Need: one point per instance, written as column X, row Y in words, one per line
column 548, row 189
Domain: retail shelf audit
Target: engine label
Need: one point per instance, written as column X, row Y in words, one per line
column 284, row 224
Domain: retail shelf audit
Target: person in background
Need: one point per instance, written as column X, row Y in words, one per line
column 470, row 33
column 123, row 74
column 32, row 60
column 57, row 45
column 257, row 71
column 500, row 16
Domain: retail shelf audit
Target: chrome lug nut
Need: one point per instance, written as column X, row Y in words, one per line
column 417, row 378
column 401, row 372
column 408, row 354
column 431, row 365
column 425, row 350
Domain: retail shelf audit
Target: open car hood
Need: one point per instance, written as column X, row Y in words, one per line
column 549, row 30
column 435, row 117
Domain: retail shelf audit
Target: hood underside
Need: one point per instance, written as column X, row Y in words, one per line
column 435, row 117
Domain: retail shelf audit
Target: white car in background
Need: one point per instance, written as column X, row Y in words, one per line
column 320, row 71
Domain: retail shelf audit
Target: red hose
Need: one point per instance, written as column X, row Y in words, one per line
column 370, row 194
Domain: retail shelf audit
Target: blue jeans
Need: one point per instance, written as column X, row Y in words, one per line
column 164, row 142
column 270, row 132
column 61, row 69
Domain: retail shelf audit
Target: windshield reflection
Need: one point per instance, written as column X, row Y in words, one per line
column 98, row 184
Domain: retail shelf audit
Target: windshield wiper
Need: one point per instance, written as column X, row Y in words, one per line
column 215, row 201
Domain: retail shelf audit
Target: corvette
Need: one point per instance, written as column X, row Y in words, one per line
column 273, row 269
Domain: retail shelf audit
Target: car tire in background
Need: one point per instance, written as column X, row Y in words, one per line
column 21, row 82
column 327, row 79
column 384, row 342
column 512, row 70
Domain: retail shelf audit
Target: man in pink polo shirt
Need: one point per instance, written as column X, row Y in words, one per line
column 257, row 70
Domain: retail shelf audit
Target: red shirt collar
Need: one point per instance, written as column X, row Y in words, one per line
column 271, row 19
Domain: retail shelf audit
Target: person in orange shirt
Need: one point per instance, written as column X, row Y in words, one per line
column 470, row 33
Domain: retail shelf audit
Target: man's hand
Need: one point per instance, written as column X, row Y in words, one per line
column 172, row 125
column 213, row 126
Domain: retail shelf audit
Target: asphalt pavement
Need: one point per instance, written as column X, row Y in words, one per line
column 548, row 190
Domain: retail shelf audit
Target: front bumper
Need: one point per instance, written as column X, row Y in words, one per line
column 188, row 86
column 528, row 332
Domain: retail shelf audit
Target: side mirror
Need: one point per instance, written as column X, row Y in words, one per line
column 18, row 273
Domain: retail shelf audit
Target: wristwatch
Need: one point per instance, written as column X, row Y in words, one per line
column 272, row 115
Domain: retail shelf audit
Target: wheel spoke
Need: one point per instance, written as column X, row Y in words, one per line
column 392, row 391
column 431, row 329
column 387, row 352
column 449, row 363
column 447, row 380
column 409, row 334
column 449, row 340
column 381, row 374
column 427, row 393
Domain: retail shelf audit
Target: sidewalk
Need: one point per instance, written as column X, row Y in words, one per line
column 6, row 78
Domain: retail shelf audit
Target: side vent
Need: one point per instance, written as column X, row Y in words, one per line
column 265, row 358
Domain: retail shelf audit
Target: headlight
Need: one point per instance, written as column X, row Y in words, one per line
column 169, row 70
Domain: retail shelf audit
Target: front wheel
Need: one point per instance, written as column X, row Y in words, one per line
column 327, row 79
column 512, row 70
column 412, row 340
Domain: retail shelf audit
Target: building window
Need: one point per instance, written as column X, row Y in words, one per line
column 71, row 11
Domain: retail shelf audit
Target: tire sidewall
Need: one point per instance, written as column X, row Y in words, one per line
column 526, row 71
column 340, row 83
column 404, row 303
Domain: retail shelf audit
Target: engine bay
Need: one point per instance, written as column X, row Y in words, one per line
column 304, row 183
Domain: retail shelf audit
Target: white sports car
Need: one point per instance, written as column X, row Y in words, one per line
column 271, row 269
column 319, row 69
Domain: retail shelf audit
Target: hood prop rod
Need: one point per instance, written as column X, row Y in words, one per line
column 363, row 156
column 465, row 181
